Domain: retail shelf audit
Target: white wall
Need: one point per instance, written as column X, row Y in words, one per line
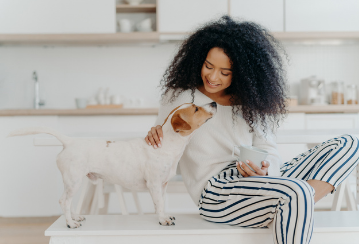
column 65, row 73
column 135, row 70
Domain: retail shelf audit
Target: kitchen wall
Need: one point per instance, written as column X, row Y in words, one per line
column 134, row 71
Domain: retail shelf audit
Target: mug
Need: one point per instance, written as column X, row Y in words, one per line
column 125, row 25
column 254, row 154
column 81, row 103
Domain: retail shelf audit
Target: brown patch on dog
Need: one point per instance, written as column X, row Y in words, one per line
column 192, row 118
column 178, row 123
column 108, row 143
column 171, row 113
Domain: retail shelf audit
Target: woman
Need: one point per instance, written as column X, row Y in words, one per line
column 238, row 65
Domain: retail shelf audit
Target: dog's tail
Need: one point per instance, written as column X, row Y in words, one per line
column 37, row 130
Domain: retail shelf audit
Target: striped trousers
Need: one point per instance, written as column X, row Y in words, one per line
column 286, row 200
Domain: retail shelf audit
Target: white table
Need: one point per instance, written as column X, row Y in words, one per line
column 329, row 228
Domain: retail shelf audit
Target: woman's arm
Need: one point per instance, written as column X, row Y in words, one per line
column 155, row 134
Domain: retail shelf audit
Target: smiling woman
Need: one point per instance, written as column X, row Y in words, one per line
column 238, row 65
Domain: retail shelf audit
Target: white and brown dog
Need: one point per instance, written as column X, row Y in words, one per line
column 132, row 164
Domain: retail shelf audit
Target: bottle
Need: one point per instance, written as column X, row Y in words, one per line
column 337, row 96
column 351, row 94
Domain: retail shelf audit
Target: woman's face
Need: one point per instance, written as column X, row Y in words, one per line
column 216, row 71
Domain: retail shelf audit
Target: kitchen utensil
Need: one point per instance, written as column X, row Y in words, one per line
column 105, row 106
column 125, row 25
column 134, row 2
column 81, row 103
column 312, row 91
column 337, row 94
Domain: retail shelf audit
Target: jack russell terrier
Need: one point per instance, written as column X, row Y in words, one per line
column 132, row 164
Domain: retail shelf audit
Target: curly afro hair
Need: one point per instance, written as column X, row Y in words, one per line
column 258, row 89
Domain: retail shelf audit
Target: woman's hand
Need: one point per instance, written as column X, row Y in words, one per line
column 154, row 137
column 246, row 171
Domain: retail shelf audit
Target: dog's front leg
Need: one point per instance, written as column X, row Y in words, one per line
column 155, row 189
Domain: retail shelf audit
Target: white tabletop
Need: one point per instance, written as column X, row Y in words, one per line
column 98, row 225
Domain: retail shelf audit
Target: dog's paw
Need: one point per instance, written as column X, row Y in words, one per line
column 73, row 224
column 167, row 221
column 78, row 218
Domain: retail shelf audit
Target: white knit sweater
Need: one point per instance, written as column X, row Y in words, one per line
column 210, row 148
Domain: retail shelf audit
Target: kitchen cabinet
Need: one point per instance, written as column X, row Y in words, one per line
column 175, row 16
column 270, row 14
column 322, row 15
column 332, row 121
column 57, row 16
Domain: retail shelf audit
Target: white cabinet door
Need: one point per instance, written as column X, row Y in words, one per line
column 57, row 16
column 269, row 13
column 332, row 121
column 322, row 15
column 187, row 15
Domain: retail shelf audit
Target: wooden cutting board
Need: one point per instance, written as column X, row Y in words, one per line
column 105, row 106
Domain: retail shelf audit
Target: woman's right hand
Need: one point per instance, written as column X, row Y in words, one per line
column 154, row 137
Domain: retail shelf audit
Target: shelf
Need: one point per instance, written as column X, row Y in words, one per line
column 79, row 112
column 154, row 111
column 284, row 36
column 78, row 39
column 135, row 37
column 141, row 8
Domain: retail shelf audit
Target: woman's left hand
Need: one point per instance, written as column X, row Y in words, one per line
column 246, row 171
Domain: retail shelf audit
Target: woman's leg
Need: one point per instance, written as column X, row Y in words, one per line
column 257, row 201
column 326, row 165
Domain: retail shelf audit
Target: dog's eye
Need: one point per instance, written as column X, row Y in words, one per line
column 196, row 109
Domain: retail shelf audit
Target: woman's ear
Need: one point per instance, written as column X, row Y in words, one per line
column 178, row 124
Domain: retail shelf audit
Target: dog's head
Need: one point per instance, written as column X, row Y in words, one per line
column 188, row 117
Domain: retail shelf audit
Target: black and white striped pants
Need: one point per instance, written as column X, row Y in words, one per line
column 288, row 200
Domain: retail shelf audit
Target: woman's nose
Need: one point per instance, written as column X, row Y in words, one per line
column 214, row 76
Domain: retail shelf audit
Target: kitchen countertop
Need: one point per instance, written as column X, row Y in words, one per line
column 79, row 112
column 154, row 111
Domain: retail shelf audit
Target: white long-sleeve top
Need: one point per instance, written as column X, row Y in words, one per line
column 210, row 149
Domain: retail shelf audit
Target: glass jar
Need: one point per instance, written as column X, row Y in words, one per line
column 337, row 96
column 351, row 95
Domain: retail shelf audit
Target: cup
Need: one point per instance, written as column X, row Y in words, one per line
column 144, row 25
column 125, row 25
column 116, row 99
column 81, row 103
column 254, row 154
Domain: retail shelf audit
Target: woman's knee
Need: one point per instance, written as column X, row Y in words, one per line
column 350, row 139
column 301, row 191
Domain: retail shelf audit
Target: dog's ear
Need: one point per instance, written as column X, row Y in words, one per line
column 178, row 123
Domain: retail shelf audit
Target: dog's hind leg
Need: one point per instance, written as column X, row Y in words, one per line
column 71, row 185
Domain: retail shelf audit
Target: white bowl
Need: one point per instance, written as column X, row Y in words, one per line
column 134, row 2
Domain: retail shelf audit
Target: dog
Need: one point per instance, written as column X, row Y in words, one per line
column 132, row 164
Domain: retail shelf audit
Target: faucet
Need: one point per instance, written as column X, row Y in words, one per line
column 37, row 101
